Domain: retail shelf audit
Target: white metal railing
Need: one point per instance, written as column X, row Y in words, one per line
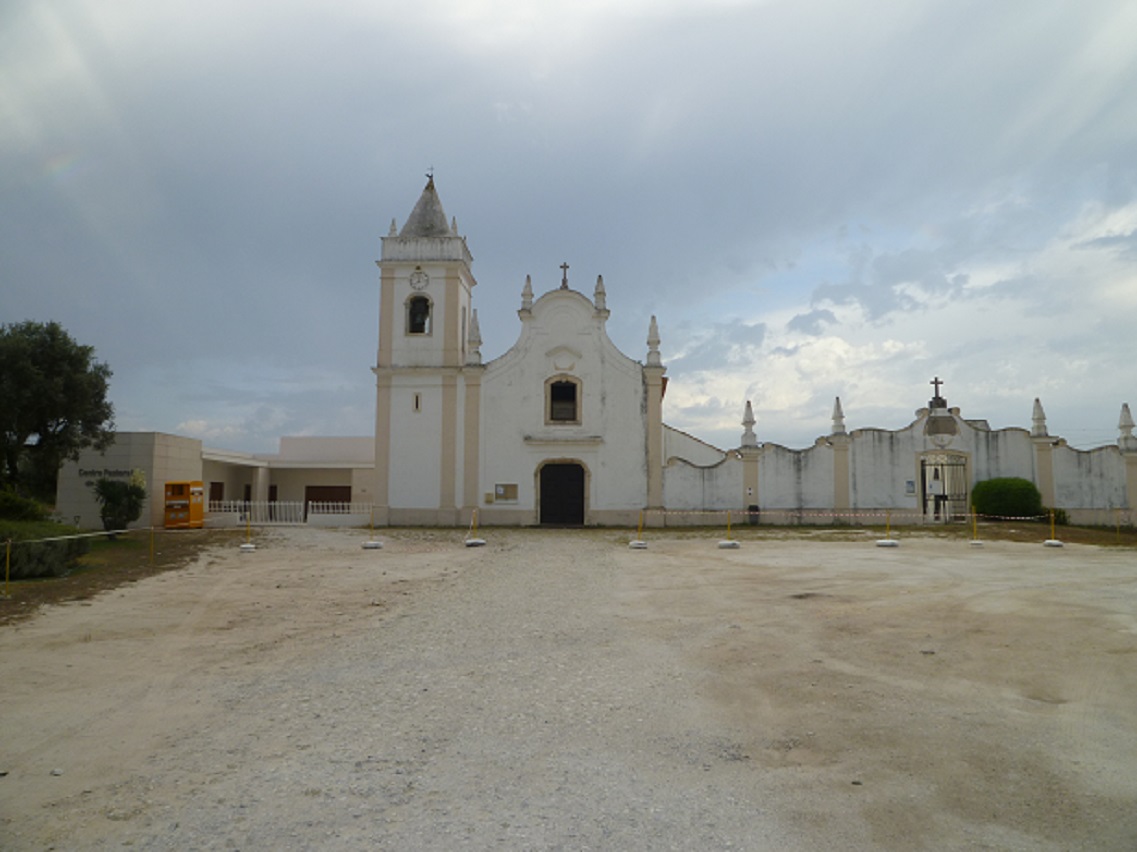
column 319, row 507
column 291, row 511
column 260, row 511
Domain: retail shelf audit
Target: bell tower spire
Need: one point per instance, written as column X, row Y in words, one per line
column 426, row 407
column 426, row 289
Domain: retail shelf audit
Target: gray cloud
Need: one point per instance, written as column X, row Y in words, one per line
column 1124, row 244
column 732, row 342
column 813, row 322
column 170, row 172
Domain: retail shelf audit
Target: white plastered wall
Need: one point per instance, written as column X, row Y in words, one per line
column 415, row 463
column 564, row 336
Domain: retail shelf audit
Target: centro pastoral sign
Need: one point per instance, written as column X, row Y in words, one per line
column 104, row 473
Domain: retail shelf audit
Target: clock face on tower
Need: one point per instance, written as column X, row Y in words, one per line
column 419, row 279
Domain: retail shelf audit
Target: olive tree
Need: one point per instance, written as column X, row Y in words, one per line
column 53, row 403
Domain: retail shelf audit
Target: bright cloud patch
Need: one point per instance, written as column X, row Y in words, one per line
column 1040, row 323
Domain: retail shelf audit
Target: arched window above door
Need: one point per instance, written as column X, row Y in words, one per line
column 562, row 400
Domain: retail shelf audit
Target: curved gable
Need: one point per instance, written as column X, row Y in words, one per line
column 564, row 329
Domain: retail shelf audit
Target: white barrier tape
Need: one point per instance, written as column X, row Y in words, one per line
column 105, row 533
column 900, row 513
column 814, row 513
column 77, row 535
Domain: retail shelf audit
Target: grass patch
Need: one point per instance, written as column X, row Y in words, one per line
column 108, row 565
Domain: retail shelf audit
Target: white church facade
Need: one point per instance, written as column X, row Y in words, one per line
column 565, row 429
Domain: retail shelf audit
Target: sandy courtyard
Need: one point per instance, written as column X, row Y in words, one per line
column 556, row 690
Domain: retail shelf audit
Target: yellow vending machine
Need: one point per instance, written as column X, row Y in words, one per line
column 185, row 505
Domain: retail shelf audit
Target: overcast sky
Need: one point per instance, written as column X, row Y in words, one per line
column 817, row 199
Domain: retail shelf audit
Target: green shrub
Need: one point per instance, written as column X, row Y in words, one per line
column 1061, row 518
column 120, row 502
column 33, row 558
column 1007, row 497
column 13, row 507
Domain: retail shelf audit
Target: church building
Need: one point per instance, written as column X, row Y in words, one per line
column 561, row 429
column 565, row 429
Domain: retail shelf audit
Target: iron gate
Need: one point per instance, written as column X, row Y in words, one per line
column 943, row 484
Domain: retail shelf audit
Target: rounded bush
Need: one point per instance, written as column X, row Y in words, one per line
column 1007, row 497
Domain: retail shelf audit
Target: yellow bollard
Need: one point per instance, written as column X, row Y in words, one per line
column 639, row 543
column 888, row 540
column 729, row 543
column 248, row 546
column 472, row 539
column 371, row 543
column 1053, row 540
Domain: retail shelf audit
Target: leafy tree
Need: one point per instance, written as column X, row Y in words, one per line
column 54, row 404
column 121, row 501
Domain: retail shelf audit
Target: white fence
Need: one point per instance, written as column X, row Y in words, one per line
column 321, row 514
column 232, row 513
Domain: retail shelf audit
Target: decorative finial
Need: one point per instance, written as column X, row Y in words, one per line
column 600, row 297
column 653, row 359
column 527, row 294
column 1126, row 441
column 749, row 439
column 474, row 339
column 394, row 232
column 838, row 418
column 1038, row 421
column 454, row 225
column 564, row 276
column 430, row 174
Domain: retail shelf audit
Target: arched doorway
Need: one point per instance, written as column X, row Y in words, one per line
column 562, row 494
column 943, row 484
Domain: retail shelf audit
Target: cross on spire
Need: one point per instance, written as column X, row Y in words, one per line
column 564, row 276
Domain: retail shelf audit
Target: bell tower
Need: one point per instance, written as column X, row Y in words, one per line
column 421, row 372
column 426, row 286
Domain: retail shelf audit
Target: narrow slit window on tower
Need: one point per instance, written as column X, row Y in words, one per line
column 418, row 402
column 418, row 315
column 563, row 402
column 462, row 339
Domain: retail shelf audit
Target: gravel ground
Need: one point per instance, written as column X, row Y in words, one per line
column 555, row 690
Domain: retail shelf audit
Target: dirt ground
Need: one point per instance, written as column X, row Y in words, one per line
column 557, row 690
